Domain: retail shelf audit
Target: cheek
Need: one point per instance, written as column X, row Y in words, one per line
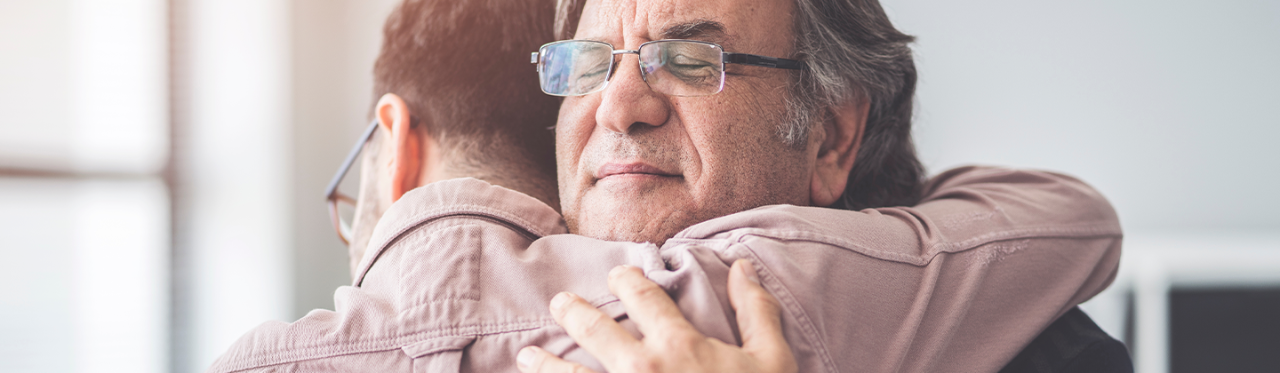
column 743, row 156
column 732, row 127
column 573, row 132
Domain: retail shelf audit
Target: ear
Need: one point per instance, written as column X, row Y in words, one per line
column 404, row 160
column 843, row 128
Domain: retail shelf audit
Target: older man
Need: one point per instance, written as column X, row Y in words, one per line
column 457, row 272
column 729, row 105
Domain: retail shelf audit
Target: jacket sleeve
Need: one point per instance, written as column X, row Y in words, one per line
column 960, row 282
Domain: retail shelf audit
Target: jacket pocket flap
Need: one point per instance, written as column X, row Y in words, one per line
column 436, row 345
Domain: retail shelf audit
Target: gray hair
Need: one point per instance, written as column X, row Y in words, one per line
column 852, row 51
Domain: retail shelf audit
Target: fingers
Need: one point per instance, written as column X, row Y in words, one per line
column 593, row 330
column 646, row 303
column 759, row 319
column 536, row 360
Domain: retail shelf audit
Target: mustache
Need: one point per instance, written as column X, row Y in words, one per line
column 616, row 146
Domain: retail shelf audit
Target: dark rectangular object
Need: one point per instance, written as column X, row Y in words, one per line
column 1224, row 330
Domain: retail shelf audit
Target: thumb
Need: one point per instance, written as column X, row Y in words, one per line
column 759, row 319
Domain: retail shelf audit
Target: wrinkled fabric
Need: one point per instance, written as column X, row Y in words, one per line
column 459, row 273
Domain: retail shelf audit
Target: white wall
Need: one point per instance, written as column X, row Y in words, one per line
column 1167, row 107
column 334, row 46
column 233, row 171
column 273, row 94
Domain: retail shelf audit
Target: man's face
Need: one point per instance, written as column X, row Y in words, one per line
column 637, row 165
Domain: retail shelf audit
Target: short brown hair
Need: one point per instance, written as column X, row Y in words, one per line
column 462, row 68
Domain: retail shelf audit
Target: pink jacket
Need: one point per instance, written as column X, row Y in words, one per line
column 459, row 273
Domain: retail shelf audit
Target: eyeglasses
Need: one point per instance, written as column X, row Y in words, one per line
column 686, row 68
column 336, row 198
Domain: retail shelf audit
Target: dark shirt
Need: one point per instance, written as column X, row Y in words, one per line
column 1072, row 344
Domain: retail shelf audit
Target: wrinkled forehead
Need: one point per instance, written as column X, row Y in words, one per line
column 747, row 26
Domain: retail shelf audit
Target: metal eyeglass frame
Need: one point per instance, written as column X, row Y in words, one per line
column 331, row 193
column 333, row 196
column 725, row 58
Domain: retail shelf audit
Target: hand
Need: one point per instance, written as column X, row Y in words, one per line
column 670, row 343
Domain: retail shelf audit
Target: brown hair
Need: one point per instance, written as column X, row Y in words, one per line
column 852, row 51
column 462, row 68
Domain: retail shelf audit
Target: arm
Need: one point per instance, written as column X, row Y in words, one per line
column 960, row 282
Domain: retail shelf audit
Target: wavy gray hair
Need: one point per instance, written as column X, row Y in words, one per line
column 852, row 52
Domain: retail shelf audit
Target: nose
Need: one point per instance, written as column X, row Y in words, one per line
column 628, row 104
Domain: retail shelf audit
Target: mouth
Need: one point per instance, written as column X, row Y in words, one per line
column 615, row 170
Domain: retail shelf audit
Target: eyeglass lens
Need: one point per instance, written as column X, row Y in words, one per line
column 672, row 67
column 342, row 213
column 574, row 68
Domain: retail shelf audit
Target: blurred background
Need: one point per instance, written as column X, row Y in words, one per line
column 162, row 162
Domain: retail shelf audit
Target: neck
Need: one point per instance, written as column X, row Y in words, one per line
column 517, row 176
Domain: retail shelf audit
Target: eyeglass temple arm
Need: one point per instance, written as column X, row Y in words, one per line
column 351, row 158
column 755, row 60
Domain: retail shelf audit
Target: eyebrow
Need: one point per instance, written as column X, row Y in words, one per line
column 700, row 29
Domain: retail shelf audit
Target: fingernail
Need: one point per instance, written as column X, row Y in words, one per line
column 559, row 301
column 525, row 358
column 617, row 270
column 750, row 271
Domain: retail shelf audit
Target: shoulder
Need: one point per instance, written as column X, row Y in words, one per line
column 420, row 281
column 459, row 209
column 322, row 336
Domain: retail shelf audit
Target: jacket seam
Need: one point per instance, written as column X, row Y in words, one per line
column 780, row 291
column 322, row 350
column 1085, row 231
column 494, row 216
